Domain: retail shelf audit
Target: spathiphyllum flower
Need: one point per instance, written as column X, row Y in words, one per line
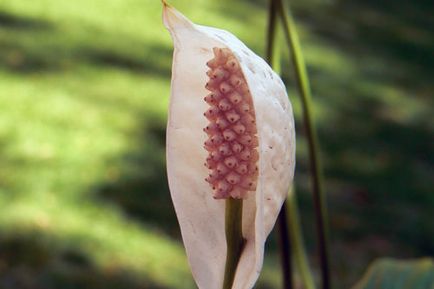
column 230, row 134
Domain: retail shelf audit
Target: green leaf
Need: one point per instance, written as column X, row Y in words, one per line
column 395, row 274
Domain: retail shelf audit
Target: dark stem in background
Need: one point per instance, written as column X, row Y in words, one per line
column 234, row 239
column 321, row 217
column 297, row 246
column 271, row 32
column 284, row 239
column 285, row 249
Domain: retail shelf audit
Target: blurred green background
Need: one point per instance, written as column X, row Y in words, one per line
column 84, row 88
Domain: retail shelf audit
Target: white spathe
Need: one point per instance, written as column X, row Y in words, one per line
column 201, row 217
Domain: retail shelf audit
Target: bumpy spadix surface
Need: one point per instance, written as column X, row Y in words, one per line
column 200, row 215
column 232, row 142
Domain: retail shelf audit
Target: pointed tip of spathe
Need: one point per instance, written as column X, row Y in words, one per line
column 172, row 18
column 165, row 4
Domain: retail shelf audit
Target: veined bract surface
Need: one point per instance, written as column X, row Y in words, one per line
column 200, row 215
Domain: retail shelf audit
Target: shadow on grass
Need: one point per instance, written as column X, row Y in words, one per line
column 152, row 62
column 34, row 260
column 33, row 46
column 21, row 58
column 141, row 188
column 386, row 168
column 398, row 33
column 15, row 22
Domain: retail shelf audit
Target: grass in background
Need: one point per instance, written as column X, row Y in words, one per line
column 83, row 94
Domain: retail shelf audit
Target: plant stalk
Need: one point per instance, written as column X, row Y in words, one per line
column 234, row 239
column 286, row 249
column 321, row 215
column 297, row 244
column 273, row 58
column 272, row 55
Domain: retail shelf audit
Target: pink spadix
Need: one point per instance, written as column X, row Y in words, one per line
column 239, row 128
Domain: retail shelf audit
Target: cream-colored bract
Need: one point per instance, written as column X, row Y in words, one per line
column 201, row 217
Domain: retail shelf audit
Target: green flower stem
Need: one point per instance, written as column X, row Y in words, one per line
column 293, row 43
column 297, row 244
column 291, row 238
column 272, row 55
column 273, row 58
column 234, row 239
column 286, row 249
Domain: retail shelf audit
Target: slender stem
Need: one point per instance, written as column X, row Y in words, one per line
column 234, row 239
column 291, row 37
column 285, row 249
column 271, row 34
column 273, row 58
column 297, row 244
